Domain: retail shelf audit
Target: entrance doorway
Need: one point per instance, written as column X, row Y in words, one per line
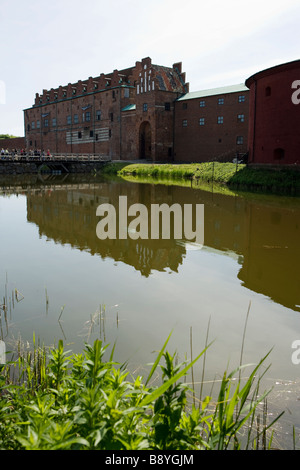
column 145, row 140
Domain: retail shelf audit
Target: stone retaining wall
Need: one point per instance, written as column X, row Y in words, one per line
column 17, row 168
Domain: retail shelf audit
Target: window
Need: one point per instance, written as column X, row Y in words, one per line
column 167, row 106
column 221, row 101
column 111, row 117
column 240, row 140
column 76, row 120
column 33, row 125
column 54, row 122
column 46, row 123
column 201, row 121
column 184, row 123
column 69, row 119
column 79, row 135
column 278, row 154
column 98, row 115
column 241, row 118
column 91, row 133
column 126, row 93
column 202, row 103
column 184, row 105
column 241, row 98
column 220, row 120
column 38, row 124
column 145, row 107
column 268, row 91
column 87, row 116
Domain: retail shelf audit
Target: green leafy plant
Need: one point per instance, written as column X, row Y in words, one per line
column 82, row 402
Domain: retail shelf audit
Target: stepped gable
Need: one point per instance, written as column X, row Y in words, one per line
column 170, row 79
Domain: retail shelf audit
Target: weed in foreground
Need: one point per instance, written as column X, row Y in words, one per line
column 81, row 402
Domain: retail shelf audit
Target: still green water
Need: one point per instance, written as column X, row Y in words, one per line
column 135, row 292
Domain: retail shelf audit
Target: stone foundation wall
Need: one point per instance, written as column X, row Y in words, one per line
column 18, row 168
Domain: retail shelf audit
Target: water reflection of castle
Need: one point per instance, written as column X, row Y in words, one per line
column 263, row 235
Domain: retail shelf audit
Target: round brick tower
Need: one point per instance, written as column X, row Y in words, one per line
column 274, row 115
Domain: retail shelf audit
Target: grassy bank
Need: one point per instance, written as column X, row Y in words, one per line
column 65, row 401
column 242, row 177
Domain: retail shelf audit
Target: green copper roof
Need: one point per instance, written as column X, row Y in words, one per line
column 129, row 107
column 214, row 91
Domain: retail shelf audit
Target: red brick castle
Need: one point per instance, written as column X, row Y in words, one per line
column 147, row 112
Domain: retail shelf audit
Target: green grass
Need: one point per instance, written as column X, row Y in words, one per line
column 59, row 400
column 241, row 177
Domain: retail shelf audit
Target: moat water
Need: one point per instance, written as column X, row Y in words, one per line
column 60, row 281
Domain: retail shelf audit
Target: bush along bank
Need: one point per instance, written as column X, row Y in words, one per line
column 234, row 176
column 65, row 401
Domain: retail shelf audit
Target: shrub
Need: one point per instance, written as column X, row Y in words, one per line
column 81, row 402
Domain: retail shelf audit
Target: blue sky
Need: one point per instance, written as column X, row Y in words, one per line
column 46, row 44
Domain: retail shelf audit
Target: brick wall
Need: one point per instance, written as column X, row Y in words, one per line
column 206, row 130
column 274, row 136
column 17, row 143
column 88, row 117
